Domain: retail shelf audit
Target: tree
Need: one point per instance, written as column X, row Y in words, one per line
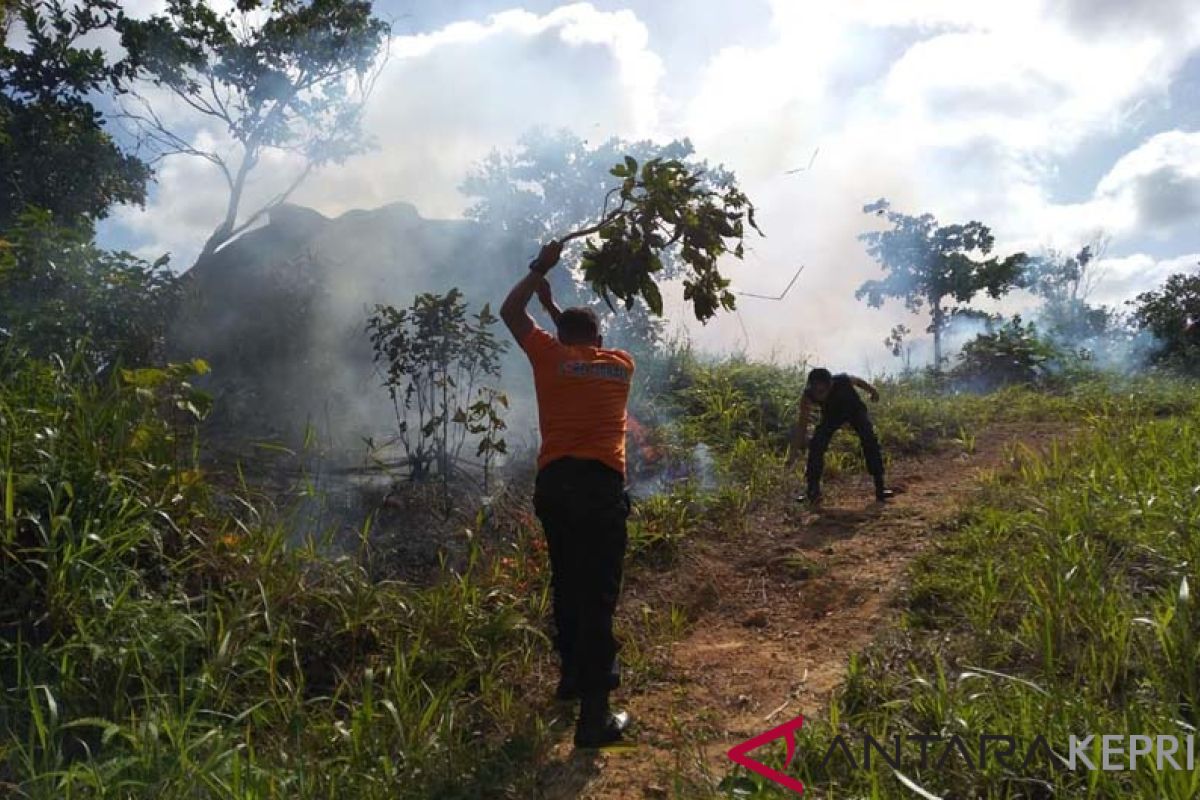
column 289, row 75
column 62, row 171
column 930, row 265
column 59, row 292
column 434, row 356
column 550, row 182
column 1062, row 280
column 657, row 214
column 55, row 151
column 1064, row 283
column 1171, row 314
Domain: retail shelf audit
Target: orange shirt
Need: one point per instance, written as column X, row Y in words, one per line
column 581, row 395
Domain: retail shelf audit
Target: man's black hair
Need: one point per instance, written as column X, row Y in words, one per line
column 578, row 325
column 819, row 375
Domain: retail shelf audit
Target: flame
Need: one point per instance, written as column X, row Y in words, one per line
column 640, row 438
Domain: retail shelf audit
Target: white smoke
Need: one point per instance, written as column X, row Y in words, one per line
column 965, row 110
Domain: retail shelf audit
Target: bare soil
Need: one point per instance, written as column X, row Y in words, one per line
column 776, row 610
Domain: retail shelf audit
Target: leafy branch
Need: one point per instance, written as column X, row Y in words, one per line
column 666, row 204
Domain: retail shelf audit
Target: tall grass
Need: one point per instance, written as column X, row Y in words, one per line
column 160, row 639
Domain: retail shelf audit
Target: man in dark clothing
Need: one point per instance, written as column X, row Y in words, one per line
column 840, row 405
column 582, row 389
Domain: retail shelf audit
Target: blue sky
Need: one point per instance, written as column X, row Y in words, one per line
column 1053, row 121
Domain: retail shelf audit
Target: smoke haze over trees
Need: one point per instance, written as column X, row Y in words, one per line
column 538, row 183
column 1063, row 159
column 929, row 266
column 290, row 76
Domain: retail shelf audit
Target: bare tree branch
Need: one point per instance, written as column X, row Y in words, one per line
column 270, row 91
column 275, row 202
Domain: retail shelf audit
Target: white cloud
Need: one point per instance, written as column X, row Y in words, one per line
column 1158, row 183
column 1121, row 279
column 966, row 120
column 1151, row 192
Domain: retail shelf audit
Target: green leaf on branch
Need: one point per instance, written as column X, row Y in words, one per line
column 669, row 206
column 653, row 296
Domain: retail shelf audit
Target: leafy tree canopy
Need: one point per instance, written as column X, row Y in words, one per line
column 556, row 181
column 1064, row 282
column 58, row 292
column 929, row 265
column 1062, row 279
column 55, row 151
column 1172, row 314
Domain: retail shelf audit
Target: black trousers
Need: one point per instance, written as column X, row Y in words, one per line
column 860, row 421
column 583, row 508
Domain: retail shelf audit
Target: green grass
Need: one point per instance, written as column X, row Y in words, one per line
column 163, row 637
column 1064, row 605
column 158, row 640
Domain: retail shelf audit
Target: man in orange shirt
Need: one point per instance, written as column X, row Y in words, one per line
column 579, row 496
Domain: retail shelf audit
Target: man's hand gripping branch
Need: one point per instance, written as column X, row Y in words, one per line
column 514, row 310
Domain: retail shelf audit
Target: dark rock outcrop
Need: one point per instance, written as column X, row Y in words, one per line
column 280, row 313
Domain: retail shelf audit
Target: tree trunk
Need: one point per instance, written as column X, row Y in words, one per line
column 939, row 321
column 225, row 230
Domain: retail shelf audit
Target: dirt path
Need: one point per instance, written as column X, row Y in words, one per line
column 776, row 612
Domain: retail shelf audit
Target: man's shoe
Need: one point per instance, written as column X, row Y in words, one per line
column 607, row 731
column 812, row 498
column 883, row 495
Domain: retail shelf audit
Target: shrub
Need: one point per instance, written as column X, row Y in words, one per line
column 1011, row 354
column 57, row 290
column 434, row 357
column 1172, row 315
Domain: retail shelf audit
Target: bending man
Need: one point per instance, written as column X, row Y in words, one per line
column 579, row 495
column 840, row 405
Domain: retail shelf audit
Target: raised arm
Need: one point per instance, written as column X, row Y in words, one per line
column 546, row 297
column 866, row 387
column 800, row 432
column 514, row 310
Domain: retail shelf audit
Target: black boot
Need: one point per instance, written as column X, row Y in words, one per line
column 598, row 726
column 882, row 493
